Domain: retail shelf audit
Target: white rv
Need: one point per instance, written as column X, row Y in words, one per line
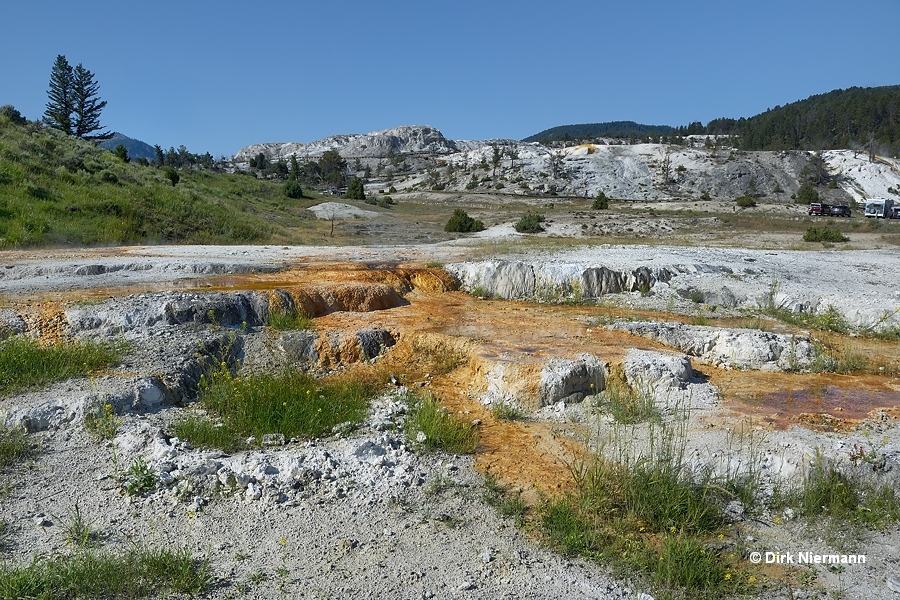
column 879, row 208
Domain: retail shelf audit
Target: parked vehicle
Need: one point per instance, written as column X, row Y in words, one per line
column 819, row 208
column 880, row 208
column 840, row 211
column 895, row 212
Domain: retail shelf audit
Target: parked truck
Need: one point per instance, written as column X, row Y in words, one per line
column 880, row 208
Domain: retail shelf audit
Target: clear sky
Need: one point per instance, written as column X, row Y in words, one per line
column 217, row 76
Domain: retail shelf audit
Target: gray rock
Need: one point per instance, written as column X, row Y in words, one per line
column 570, row 380
column 374, row 342
column 729, row 348
column 658, row 370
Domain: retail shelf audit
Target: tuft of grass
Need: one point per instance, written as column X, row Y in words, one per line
column 625, row 403
column 291, row 403
column 77, row 530
column 431, row 427
column 646, row 512
column 13, row 445
column 136, row 573
column 843, row 496
column 25, row 363
column 285, row 320
column 507, row 503
column 205, row 432
column 505, row 411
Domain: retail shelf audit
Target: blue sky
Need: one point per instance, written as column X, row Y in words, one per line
column 217, row 76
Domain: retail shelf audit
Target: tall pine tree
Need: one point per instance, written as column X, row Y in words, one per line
column 87, row 105
column 74, row 105
column 60, row 105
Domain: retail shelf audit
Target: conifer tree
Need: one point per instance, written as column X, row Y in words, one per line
column 60, row 105
column 74, row 105
column 87, row 105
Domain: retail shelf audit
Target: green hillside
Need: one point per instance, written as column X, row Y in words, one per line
column 57, row 190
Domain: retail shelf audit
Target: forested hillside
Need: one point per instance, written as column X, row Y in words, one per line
column 855, row 118
column 851, row 118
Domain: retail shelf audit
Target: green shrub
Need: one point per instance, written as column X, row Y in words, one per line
column 745, row 201
column 9, row 111
column 355, row 190
column 172, row 175
column 385, row 202
column 293, row 189
column 824, row 234
column 530, row 223
column 461, row 222
column 807, row 194
column 601, row 202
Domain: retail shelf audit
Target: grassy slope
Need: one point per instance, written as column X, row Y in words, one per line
column 56, row 191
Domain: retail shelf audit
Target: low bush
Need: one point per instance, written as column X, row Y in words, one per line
column 745, row 201
column 293, row 189
column 824, row 234
column 461, row 222
column 530, row 223
column 601, row 202
column 807, row 194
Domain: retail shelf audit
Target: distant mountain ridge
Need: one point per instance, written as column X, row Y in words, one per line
column 135, row 148
column 583, row 131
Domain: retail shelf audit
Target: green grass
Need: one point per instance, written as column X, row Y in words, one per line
column 506, row 411
column 627, row 404
column 645, row 512
column 57, row 190
column 843, row 496
column 25, row 363
column 508, row 503
column 13, row 446
column 135, row 573
column 205, row 432
column 287, row 320
column 291, row 403
column 102, row 422
column 431, row 427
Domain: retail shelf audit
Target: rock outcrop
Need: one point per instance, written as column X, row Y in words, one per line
column 552, row 281
column 729, row 348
